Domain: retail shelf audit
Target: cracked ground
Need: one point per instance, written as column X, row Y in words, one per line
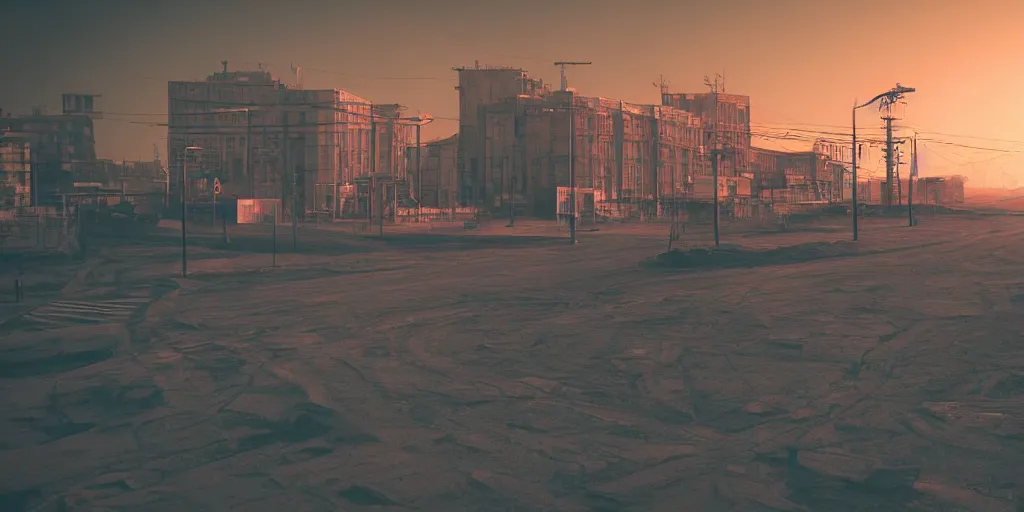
column 496, row 373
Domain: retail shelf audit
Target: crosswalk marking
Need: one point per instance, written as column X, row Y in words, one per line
column 66, row 313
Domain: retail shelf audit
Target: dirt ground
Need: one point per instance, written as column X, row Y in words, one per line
column 503, row 369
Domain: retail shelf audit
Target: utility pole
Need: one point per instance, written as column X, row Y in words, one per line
column 853, row 175
column 714, row 178
column 890, row 161
column 910, row 181
column 512, row 204
column 371, row 193
column 419, row 174
column 715, row 86
column 184, row 191
column 572, row 172
column 572, row 140
column 295, row 182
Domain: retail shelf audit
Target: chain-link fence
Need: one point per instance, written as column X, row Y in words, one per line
column 37, row 230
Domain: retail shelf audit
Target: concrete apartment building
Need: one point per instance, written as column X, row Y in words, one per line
column 59, row 144
column 622, row 153
column 263, row 139
column 15, row 171
column 728, row 115
column 514, row 145
column 787, row 177
column 479, row 87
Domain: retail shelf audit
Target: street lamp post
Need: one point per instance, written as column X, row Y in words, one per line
column 891, row 96
column 419, row 121
column 184, row 180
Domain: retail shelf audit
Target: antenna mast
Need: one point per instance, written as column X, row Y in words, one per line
column 563, row 64
column 716, row 86
column 297, row 71
column 662, row 85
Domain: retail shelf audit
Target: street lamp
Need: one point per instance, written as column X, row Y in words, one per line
column 419, row 121
column 891, row 96
column 184, row 178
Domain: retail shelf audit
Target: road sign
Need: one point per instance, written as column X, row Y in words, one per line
column 216, row 186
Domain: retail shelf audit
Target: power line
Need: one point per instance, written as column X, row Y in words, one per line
column 997, row 150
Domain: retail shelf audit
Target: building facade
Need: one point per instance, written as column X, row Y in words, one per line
column 515, row 138
column 262, row 139
column 478, row 88
column 436, row 182
column 728, row 116
column 15, row 171
column 59, row 144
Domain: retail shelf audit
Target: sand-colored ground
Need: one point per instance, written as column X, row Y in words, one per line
column 453, row 371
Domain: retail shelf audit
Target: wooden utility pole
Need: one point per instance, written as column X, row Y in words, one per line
column 890, row 161
column 371, row 200
column 714, row 179
column 910, row 181
column 295, row 182
column 572, row 173
column 512, row 204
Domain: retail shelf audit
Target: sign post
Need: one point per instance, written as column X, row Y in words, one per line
column 216, row 192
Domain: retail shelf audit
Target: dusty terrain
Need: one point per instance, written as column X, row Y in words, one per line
column 489, row 372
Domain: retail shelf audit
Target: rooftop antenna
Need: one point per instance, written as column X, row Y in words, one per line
column 225, row 64
column 156, row 153
column 662, row 85
column 716, row 86
column 297, row 71
column 563, row 64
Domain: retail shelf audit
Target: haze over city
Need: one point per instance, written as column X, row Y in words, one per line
column 802, row 62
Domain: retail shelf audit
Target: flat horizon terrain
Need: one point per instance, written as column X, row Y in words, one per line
column 458, row 370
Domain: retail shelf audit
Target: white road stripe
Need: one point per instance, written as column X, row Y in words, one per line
column 71, row 312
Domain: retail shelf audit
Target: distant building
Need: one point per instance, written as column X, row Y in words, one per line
column 479, row 87
column 262, row 139
column 515, row 136
column 725, row 114
column 767, row 166
column 15, row 171
column 435, row 185
column 59, row 143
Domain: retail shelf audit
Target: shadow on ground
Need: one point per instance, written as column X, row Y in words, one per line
column 468, row 242
column 706, row 257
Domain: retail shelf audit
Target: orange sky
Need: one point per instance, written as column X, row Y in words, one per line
column 802, row 62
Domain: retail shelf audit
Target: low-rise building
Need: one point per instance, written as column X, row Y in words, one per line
column 434, row 185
